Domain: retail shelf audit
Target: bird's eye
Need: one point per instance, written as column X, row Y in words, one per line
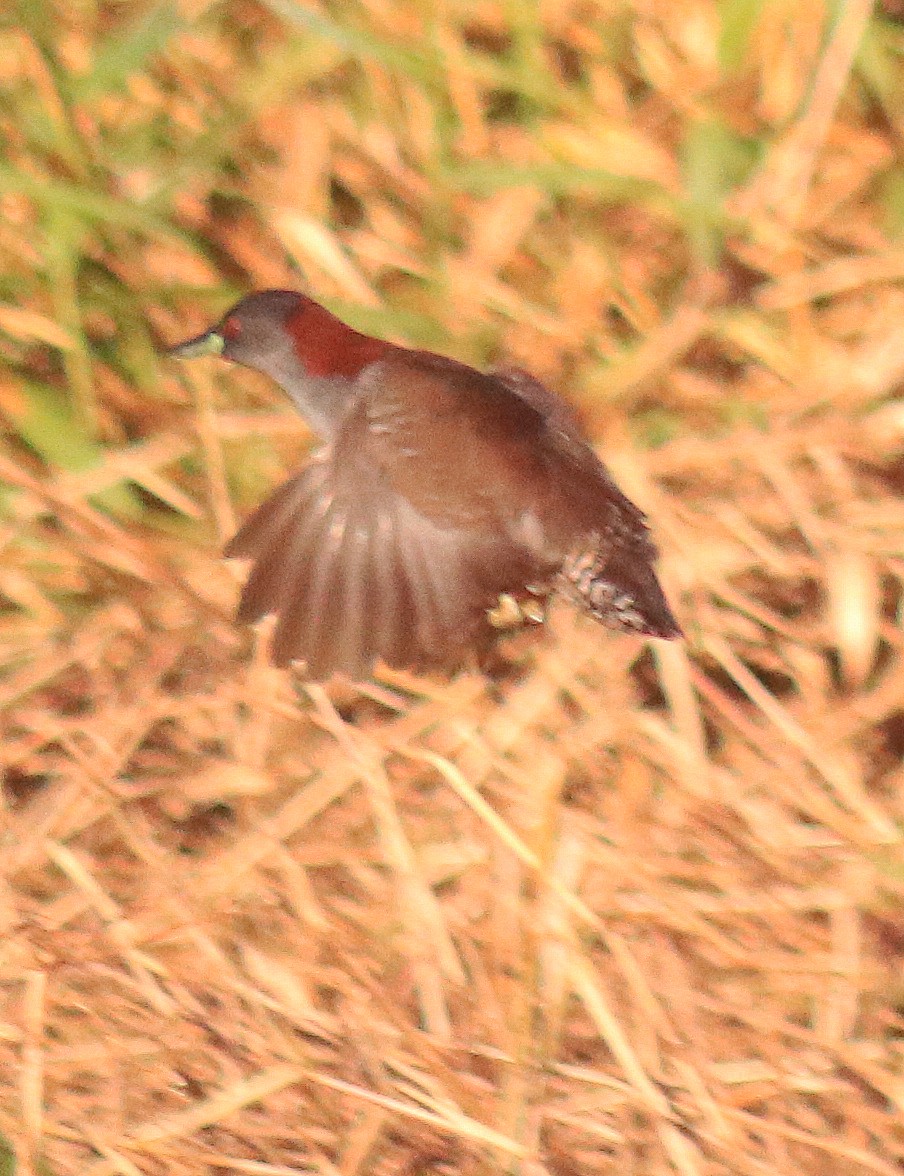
column 231, row 329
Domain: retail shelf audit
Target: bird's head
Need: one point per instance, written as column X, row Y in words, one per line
column 275, row 331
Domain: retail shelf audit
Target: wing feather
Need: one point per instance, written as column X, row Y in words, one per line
column 356, row 576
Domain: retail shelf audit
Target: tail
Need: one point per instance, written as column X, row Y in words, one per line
column 620, row 589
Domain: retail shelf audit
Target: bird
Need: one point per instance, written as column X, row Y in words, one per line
column 443, row 507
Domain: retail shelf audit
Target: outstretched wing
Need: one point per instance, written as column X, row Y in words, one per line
column 354, row 574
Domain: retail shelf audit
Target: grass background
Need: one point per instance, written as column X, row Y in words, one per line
column 636, row 909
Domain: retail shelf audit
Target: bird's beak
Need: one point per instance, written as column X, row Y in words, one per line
column 210, row 343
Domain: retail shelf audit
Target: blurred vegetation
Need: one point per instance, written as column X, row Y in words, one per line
column 687, row 215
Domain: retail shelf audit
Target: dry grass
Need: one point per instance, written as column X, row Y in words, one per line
column 635, row 910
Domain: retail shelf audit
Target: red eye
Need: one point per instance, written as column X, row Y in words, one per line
column 231, row 329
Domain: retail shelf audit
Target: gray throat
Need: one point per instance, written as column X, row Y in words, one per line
column 323, row 401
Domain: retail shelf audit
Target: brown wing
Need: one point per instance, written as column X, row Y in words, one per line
column 455, row 443
column 609, row 554
column 497, row 450
column 354, row 573
column 502, row 454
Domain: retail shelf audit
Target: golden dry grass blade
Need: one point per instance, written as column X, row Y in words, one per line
column 620, row 908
